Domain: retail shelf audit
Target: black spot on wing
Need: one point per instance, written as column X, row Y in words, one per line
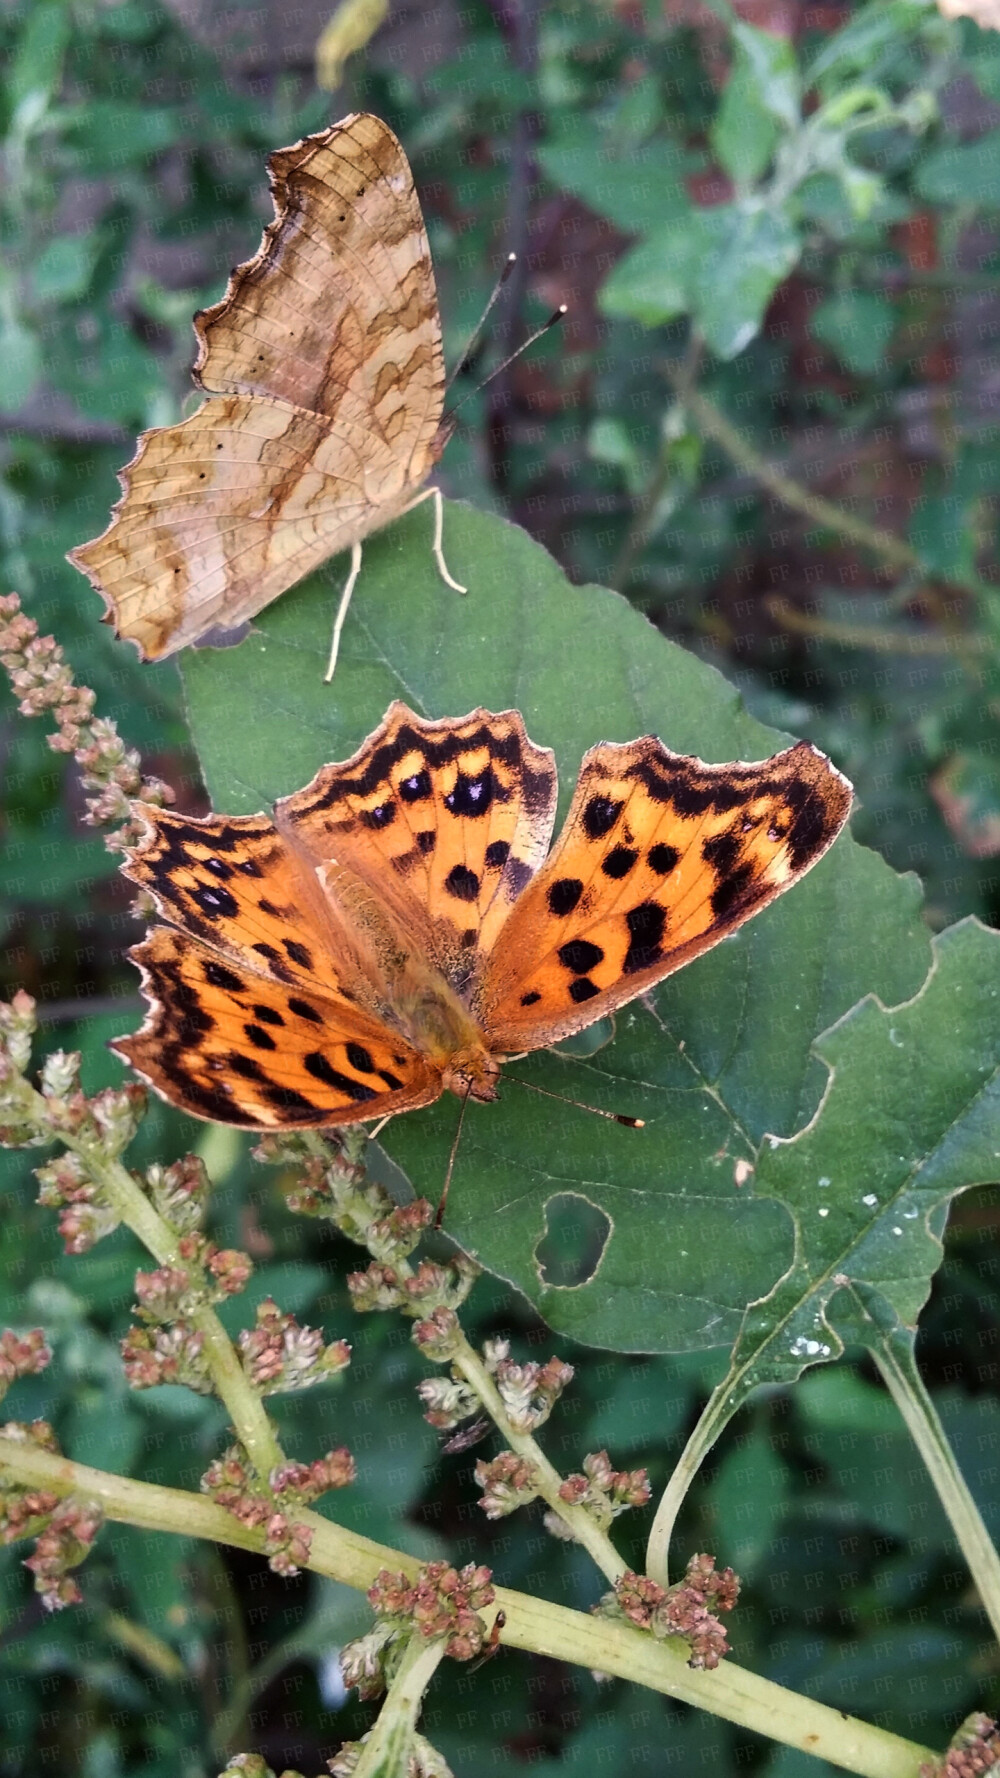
column 323, row 1070
column 415, row 789
column 662, row 859
column 462, row 883
column 304, row 1010
column 427, row 840
column 274, row 958
column 268, row 1015
column 722, row 852
column 619, row 862
column 563, row 895
column 221, row 977
column 497, row 853
column 298, row 953
column 582, row 989
column 473, row 796
column 260, row 1039
column 599, row 816
column 646, row 925
column 531, row 998
column 215, row 901
column 382, row 816
column 735, row 891
column 580, row 955
column 360, row 1058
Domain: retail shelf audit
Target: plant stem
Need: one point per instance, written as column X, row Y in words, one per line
column 534, row 1625
column 712, row 423
column 585, row 1528
column 912, row 642
column 232, row 1385
column 711, row 1422
column 388, row 1746
column 896, row 1360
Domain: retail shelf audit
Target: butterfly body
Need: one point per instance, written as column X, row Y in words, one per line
column 399, row 928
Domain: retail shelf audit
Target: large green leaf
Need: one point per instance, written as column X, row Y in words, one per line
column 720, row 1054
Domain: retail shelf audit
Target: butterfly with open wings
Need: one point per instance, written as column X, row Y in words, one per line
column 399, row 927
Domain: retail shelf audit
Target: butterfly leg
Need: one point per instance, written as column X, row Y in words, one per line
column 345, row 600
column 442, row 568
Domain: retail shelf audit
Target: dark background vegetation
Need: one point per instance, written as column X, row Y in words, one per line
column 596, row 139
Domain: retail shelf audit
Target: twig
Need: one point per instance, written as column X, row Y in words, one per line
column 535, row 1625
column 860, row 636
column 712, row 423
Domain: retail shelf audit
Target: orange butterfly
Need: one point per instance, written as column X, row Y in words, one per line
column 396, row 928
column 327, row 379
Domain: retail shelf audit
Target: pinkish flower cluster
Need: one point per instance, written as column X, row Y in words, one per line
column 21, row 1355
column 63, row 1528
column 974, row 1749
column 42, row 681
column 447, row 1400
column 529, row 1391
column 173, row 1354
column 419, row 1293
column 605, row 1492
column 233, row 1483
column 279, row 1355
column 685, row 1609
column 424, row 1761
column 62, row 1545
column 508, row 1481
column 180, row 1192
column 442, row 1602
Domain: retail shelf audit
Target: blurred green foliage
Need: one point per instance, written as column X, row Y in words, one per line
column 821, row 207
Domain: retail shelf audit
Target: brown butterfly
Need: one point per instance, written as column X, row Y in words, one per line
column 396, row 928
column 325, row 368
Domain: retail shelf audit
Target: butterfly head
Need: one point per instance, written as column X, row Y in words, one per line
column 472, row 1073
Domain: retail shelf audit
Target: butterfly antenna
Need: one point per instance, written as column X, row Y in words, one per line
column 474, row 337
column 617, row 1117
column 439, row 1217
column 556, row 316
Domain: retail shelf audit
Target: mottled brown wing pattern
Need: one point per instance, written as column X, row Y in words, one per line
column 325, row 356
column 660, row 858
column 340, row 294
column 227, row 1044
column 451, row 818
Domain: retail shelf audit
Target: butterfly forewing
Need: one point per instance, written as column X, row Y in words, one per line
column 448, row 818
column 340, row 294
column 660, row 858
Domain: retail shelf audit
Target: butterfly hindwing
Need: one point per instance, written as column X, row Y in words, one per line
column 226, row 1044
column 660, row 858
column 452, row 818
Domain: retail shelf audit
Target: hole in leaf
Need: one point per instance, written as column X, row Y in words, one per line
column 572, row 1247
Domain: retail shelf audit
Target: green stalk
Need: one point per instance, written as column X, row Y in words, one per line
column 127, row 1198
column 388, row 1746
column 535, row 1625
column 896, row 1360
column 711, row 1423
column 582, row 1523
